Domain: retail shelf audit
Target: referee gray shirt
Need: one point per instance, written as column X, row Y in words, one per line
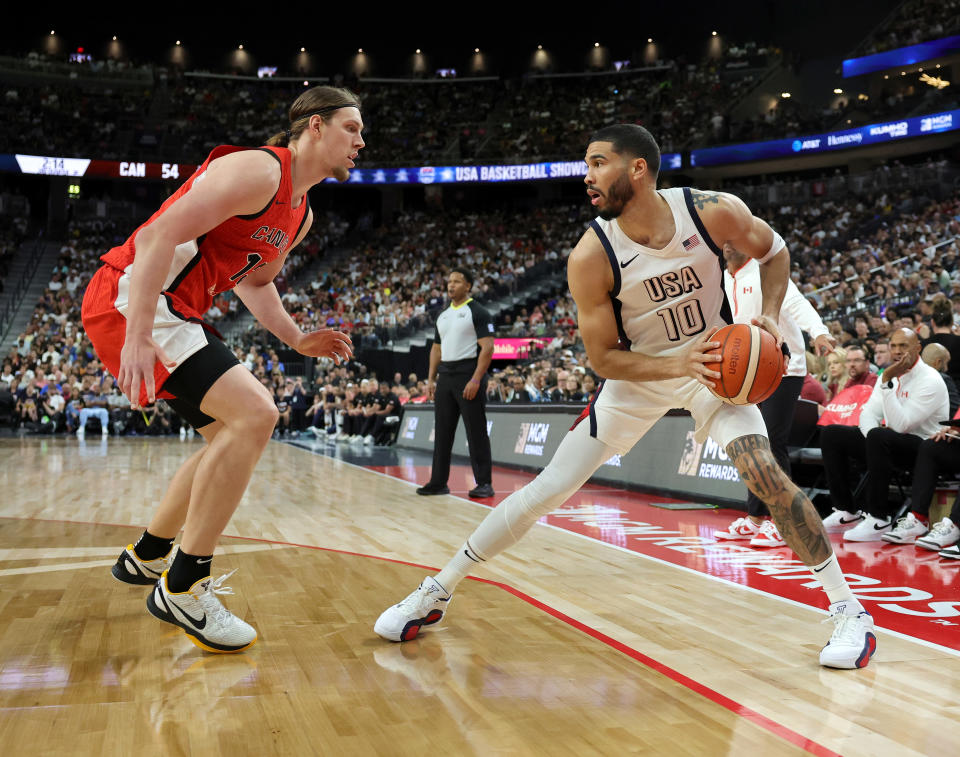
column 458, row 329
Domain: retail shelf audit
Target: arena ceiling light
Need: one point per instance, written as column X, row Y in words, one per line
column 713, row 34
column 785, row 95
column 303, row 49
column 837, row 91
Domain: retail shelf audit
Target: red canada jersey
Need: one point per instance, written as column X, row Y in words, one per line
column 221, row 258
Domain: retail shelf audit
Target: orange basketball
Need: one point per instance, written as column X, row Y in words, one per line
column 752, row 364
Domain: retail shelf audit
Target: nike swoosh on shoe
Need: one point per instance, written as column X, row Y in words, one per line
column 198, row 623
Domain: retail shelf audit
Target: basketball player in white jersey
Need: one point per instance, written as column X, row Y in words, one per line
column 647, row 280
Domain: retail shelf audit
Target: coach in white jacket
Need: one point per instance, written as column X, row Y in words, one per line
column 741, row 281
column 907, row 403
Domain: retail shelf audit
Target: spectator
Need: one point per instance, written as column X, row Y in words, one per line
column 570, row 392
column 942, row 319
column 881, row 354
column 910, row 399
column 838, row 374
column 937, row 357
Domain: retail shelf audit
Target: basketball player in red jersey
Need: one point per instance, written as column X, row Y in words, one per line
column 647, row 276
column 230, row 226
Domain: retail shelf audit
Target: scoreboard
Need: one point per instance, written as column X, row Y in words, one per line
column 103, row 169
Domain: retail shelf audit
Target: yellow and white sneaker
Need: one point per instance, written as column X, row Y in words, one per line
column 132, row 570
column 199, row 612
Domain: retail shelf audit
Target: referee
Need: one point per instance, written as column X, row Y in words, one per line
column 457, row 383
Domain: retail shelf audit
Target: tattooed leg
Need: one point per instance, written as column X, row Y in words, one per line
column 793, row 512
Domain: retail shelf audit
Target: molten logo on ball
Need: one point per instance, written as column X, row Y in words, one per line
column 751, row 367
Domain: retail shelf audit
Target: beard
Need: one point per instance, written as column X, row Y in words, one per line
column 341, row 174
column 618, row 195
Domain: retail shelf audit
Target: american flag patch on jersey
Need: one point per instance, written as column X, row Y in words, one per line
column 689, row 244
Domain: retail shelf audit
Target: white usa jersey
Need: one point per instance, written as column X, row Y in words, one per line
column 664, row 299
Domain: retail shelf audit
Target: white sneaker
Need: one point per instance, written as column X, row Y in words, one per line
column 906, row 531
column 840, row 519
column 183, row 433
column 769, row 536
column 942, row 535
column 315, row 431
column 853, row 641
column 104, row 432
column 869, row 529
column 190, row 433
column 423, row 607
column 951, row 553
column 368, row 439
column 199, row 612
column 741, row 528
column 130, row 569
column 81, row 432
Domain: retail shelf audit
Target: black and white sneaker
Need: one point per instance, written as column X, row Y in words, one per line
column 199, row 612
column 841, row 519
column 132, row 570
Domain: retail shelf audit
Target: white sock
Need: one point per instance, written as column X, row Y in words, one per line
column 576, row 459
column 459, row 567
column 830, row 576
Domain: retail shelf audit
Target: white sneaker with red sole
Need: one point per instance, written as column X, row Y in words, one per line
column 769, row 536
column 741, row 529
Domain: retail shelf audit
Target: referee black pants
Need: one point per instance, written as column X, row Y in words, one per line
column 777, row 411
column 449, row 406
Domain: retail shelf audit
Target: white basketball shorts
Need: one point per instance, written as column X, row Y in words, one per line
column 623, row 411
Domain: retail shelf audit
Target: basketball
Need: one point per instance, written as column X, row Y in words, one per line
column 752, row 364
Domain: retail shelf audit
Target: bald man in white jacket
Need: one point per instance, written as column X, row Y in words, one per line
column 741, row 281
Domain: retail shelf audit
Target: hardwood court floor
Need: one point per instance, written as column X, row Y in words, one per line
column 592, row 653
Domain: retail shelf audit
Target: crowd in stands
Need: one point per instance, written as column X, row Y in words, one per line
column 914, row 21
column 685, row 104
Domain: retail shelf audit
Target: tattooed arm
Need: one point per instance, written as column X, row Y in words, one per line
column 793, row 512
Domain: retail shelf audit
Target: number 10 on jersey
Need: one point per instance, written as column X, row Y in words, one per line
column 684, row 318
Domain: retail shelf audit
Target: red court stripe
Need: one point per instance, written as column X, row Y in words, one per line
column 714, row 696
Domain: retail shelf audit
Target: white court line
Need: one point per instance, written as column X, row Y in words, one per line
column 728, row 582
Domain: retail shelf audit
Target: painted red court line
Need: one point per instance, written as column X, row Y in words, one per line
column 736, row 708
